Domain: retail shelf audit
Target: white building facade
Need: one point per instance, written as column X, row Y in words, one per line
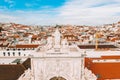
column 57, row 61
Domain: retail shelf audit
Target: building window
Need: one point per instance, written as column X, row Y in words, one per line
column 13, row 53
column 13, row 49
column 3, row 53
column 7, row 49
column 18, row 49
column 19, row 53
column 24, row 49
column 8, row 53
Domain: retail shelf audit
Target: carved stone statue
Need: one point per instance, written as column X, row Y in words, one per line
column 64, row 43
column 57, row 38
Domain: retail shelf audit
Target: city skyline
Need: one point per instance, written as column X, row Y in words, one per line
column 50, row 12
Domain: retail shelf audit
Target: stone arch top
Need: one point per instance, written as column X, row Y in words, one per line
column 57, row 78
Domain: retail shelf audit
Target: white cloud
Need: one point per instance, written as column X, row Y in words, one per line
column 89, row 12
column 6, row 18
column 28, row 5
column 82, row 12
column 10, row 2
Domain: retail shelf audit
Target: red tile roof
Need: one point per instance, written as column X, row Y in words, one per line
column 27, row 46
column 104, row 70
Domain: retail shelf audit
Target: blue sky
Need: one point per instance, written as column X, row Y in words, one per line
column 30, row 4
column 50, row 12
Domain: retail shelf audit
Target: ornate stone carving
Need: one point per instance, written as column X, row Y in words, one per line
column 89, row 75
